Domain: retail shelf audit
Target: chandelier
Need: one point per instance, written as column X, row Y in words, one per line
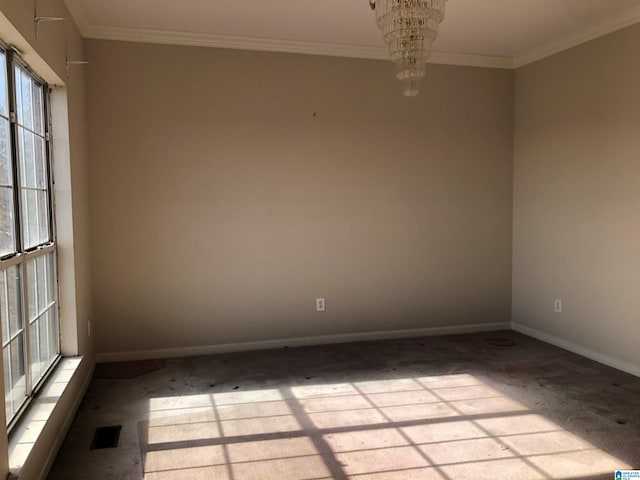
column 409, row 28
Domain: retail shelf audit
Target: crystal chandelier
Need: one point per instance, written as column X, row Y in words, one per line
column 409, row 28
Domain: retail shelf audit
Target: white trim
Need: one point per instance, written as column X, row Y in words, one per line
column 609, row 25
column 296, row 342
column 579, row 349
column 25, row 437
column 470, row 60
column 165, row 37
column 66, row 425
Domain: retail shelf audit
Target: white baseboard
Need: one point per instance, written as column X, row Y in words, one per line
column 297, row 342
column 579, row 349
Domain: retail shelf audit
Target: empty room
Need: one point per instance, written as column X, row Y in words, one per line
column 296, row 240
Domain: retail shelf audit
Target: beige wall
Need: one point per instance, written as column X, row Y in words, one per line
column 221, row 206
column 46, row 55
column 577, row 197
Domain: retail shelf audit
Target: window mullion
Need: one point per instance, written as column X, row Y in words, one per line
column 48, row 151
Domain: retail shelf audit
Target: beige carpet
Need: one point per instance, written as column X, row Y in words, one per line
column 439, row 427
column 497, row 405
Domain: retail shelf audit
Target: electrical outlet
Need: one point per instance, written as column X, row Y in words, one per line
column 320, row 304
column 557, row 305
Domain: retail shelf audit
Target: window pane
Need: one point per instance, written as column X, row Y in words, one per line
column 4, row 104
column 30, row 223
column 38, row 105
column 43, row 333
column 4, row 309
column 34, row 345
column 7, row 220
column 54, row 334
column 40, row 163
column 44, row 345
column 15, row 386
column 29, row 101
column 32, row 302
column 43, row 217
column 6, row 177
column 40, row 285
column 26, row 152
column 13, row 340
column 35, row 218
column 52, row 278
column 33, row 173
column 7, row 223
column 34, row 186
column 10, row 304
column 38, row 357
column 6, row 359
column 23, row 97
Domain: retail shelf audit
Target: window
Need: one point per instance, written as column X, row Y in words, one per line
column 28, row 285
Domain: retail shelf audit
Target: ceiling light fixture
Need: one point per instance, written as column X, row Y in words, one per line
column 409, row 28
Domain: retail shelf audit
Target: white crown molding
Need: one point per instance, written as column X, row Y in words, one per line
column 470, row 60
column 273, row 45
column 232, row 41
column 609, row 25
column 131, row 34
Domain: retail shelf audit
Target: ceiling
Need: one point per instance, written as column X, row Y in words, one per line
column 493, row 33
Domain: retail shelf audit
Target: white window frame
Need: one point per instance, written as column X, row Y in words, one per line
column 22, row 257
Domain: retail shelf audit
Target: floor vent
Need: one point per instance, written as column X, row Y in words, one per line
column 106, row 437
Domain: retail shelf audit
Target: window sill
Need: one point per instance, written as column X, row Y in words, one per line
column 25, row 435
